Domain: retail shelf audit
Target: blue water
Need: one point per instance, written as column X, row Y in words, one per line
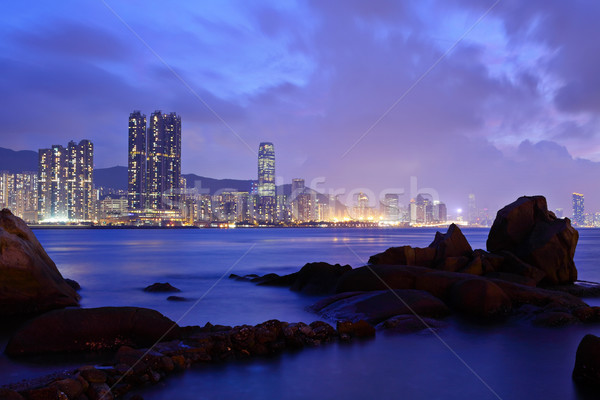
column 513, row 360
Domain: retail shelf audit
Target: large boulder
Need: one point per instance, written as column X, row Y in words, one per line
column 528, row 230
column 91, row 329
column 318, row 278
column 587, row 362
column 451, row 244
column 29, row 280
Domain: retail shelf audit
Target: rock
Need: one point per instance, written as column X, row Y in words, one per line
column 319, row 278
column 91, row 329
column 479, row 298
column 7, row 394
column 377, row 306
column 92, row 375
column 453, row 264
column 73, row 283
column 69, row 386
column 45, row 393
column 528, row 230
column 359, row 329
column 550, row 319
column 161, row 287
column 404, row 255
column 408, row 324
column 99, row 391
column 376, row 277
column 30, row 283
column 451, row 244
column 587, row 362
column 176, row 298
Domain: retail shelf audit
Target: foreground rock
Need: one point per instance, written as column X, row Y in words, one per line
column 91, row 329
column 136, row 367
column 587, row 362
column 528, row 230
column 30, row 283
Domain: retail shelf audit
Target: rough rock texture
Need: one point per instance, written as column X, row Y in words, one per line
column 91, row 329
column 528, row 230
column 587, row 362
column 451, row 244
column 377, row 306
column 480, row 298
column 29, row 280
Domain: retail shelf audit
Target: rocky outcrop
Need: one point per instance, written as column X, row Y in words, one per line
column 160, row 287
column 527, row 244
column 526, row 229
column 91, row 329
column 136, row 367
column 587, row 362
column 314, row 278
column 30, row 283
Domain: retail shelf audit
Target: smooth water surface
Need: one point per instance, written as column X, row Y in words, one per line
column 113, row 266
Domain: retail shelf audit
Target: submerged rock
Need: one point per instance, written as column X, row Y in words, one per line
column 29, row 280
column 91, row 329
column 161, row 287
column 536, row 236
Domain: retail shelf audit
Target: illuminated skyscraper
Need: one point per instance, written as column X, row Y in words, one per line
column 472, row 216
column 164, row 161
column 65, row 182
column 578, row 209
column 266, row 169
column 136, row 182
column 267, row 206
column 80, row 186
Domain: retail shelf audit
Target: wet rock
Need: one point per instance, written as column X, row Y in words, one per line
column 99, row 391
column 409, row 324
column 587, row 362
column 69, row 386
column 479, row 298
column 376, row 277
column 45, row 393
column 30, row 283
column 161, row 287
column 8, row 394
column 376, row 306
column 528, row 230
column 91, row 329
column 176, row 298
column 359, row 329
column 92, row 375
column 551, row 319
column 73, row 283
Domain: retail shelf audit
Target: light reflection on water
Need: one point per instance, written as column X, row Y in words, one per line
column 113, row 267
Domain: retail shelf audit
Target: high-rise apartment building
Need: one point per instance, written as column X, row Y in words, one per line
column 136, row 167
column 65, row 182
column 578, row 210
column 163, row 170
column 267, row 205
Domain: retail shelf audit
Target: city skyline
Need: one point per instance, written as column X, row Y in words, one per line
column 487, row 96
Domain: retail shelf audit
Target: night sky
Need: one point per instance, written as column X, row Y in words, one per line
column 499, row 99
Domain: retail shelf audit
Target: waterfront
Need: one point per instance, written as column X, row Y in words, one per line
column 516, row 360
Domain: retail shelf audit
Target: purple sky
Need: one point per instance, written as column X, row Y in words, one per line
column 512, row 109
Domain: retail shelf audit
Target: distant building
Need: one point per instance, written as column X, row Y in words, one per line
column 110, row 208
column 578, row 210
column 559, row 213
column 472, row 214
column 267, row 203
column 65, row 182
column 18, row 192
column 136, row 167
column 391, row 209
column 163, row 170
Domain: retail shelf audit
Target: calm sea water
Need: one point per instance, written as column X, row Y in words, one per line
column 513, row 360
